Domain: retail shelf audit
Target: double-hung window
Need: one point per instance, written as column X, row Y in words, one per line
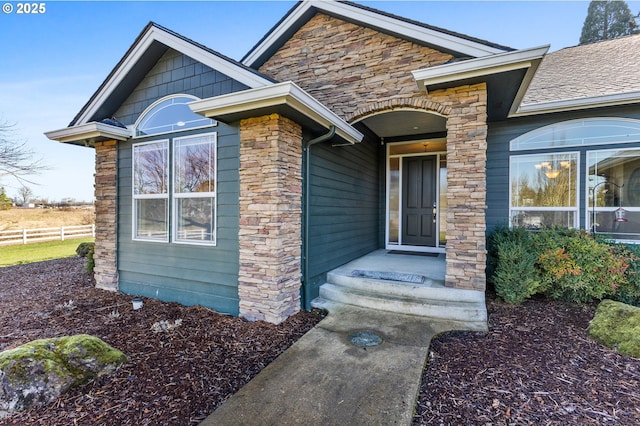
column 174, row 177
column 191, row 197
column 151, row 191
column 194, row 189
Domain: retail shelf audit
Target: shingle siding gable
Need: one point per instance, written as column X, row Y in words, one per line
column 175, row 73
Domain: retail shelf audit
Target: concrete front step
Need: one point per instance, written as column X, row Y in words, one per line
column 429, row 290
column 431, row 300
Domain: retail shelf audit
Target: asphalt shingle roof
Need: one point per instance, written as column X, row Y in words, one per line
column 603, row 68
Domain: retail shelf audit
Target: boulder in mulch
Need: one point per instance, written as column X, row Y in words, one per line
column 38, row 372
column 617, row 325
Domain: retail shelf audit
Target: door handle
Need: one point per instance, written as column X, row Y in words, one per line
column 435, row 212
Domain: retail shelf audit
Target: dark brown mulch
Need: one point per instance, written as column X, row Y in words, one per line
column 171, row 378
column 536, row 366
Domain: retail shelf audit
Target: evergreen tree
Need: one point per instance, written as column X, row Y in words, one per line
column 5, row 202
column 606, row 20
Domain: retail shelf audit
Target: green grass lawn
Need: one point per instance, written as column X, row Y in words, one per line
column 37, row 252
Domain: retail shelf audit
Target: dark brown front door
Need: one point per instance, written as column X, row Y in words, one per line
column 419, row 201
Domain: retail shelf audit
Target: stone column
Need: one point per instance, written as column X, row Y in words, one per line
column 466, row 253
column 270, row 218
column 106, row 183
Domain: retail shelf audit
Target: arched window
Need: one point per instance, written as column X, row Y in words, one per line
column 585, row 132
column 170, row 114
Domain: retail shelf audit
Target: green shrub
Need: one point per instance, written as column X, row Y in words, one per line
column 629, row 291
column 88, row 267
column 578, row 268
column 515, row 277
column 84, row 248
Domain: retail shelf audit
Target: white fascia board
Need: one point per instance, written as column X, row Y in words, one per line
column 156, row 34
column 373, row 19
column 89, row 131
column 287, row 93
column 578, row 103
column 478, row 67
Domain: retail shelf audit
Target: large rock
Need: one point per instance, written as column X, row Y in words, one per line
column 617, row 325
column 38, row 372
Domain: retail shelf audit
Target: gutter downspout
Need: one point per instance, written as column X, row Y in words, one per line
column 306, row 215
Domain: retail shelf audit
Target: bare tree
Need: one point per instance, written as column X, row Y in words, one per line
column 25, row 193
column 16, row 159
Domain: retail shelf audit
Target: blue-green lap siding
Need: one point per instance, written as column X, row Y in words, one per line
column 184, row 273
column 344, row 208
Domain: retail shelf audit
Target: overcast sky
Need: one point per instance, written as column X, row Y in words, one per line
column 51, row 63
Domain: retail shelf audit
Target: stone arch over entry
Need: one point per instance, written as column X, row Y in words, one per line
column 464, row 111
column 377, row 107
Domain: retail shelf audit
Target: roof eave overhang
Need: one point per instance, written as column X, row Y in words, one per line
column 305, row 9
column 88, row 134
column 155, row 34
column 480, row 69
column 602, row 101
column 286, row 99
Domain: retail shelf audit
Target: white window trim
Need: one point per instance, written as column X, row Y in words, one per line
column 575, row 210
column 568, row 125
column 135, row 197
column 148, row 109
column 213, row 194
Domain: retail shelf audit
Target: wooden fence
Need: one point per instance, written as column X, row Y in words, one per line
column 26, row 236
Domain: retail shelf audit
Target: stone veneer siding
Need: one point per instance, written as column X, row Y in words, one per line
column 346, row 66
column 105, row 270
column 466, row 253
column 358, row 71
column 270, row 218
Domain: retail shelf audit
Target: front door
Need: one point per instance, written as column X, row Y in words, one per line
column 419, row 202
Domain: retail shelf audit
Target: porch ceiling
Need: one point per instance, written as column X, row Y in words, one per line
column 405, row 123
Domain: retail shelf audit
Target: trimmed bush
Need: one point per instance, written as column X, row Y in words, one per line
column 629, row 291
column 579, row 268
column 563, row 264
column 84, row 248
column 88, row 267
column 515, row 278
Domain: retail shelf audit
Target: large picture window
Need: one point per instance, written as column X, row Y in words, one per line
column 613, row 188
column 191, row 197
column 544, row 190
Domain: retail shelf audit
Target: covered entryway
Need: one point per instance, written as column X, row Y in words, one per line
column 415, row 178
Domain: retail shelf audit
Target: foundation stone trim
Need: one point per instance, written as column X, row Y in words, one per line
column 106, row 184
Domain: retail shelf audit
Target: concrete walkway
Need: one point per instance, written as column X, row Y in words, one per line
column 326, row 379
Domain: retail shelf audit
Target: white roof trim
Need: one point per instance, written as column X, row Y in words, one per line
column 579, row 103
column 287, row 93
column 478, row 67
column 156, row 34
column 88, row 133
column 373, row 19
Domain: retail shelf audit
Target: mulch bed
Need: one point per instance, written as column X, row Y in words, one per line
column 171, row 378
column 535, row 366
